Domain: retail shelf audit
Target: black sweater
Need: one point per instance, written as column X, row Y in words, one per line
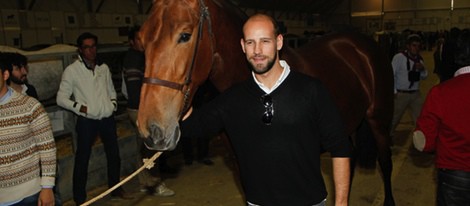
column 134, row 66
column 279, row 163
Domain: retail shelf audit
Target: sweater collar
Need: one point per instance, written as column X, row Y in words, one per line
column 281, row 79
column 463, row 70
column 98, row 62
column 7, row 96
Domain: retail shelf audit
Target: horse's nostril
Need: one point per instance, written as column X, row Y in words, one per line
column 149, row 143
column 154, row 130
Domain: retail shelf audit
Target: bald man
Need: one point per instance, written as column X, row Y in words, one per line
column 278, row 120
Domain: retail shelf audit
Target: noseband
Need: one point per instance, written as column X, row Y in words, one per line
column 204, row 14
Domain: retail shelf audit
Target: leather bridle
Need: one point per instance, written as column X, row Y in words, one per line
column 184, row 87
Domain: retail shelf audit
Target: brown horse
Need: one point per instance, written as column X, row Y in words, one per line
column 187, row 42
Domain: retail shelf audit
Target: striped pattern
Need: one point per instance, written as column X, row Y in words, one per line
column 27, row 148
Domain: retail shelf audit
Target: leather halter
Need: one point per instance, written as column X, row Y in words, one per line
column 204, row 14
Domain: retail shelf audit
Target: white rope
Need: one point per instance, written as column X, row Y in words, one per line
column 148, row 164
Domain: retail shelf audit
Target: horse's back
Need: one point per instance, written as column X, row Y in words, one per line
column 355, row 71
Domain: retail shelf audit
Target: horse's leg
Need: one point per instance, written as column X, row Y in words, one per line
column 352, row 164
column 381, row 135
column 365, row 146
column 365, row 149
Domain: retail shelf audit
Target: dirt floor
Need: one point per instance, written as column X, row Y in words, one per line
column 413, row 177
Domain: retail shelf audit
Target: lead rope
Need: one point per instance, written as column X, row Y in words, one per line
column 148, row 164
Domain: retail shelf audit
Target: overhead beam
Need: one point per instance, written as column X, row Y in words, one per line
column 31, row 5
column 149, row 8
column 140, row 8
column 89, row 5
column 21, row 4
column 100, row 5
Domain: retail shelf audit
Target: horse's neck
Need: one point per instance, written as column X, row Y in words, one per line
column 229, row 61
column 295, row 61
column 228, row 7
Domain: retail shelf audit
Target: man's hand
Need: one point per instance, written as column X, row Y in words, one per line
column 46, row 197
column 418, row 66
column 83, row 109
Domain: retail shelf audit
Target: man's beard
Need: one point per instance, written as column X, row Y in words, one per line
column 17, row 80
column 265, row 69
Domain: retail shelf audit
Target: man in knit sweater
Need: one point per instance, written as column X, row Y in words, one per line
column 278, row 122
column 18, row 76
column 94, row 102
column 27, row 148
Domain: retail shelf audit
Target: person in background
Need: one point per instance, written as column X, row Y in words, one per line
column 443, row 128
column 134, row 66
column 205, row 92
column 408, row 71
column 90, row 83
column 437, row 56
column 279, row 121
column 18, row 77
column 448, row 66
column 27, row 147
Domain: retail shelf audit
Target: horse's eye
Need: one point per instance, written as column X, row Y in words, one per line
column 184, row 37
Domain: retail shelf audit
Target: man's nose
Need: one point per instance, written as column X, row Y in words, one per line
column 24, row 70
column 257, row 48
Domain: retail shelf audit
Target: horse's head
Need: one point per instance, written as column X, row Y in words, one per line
column 177, row 40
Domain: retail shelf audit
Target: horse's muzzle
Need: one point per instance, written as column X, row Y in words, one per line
column 161, row 141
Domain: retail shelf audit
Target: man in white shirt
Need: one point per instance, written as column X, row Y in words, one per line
column 408, row 71
column 90, row 83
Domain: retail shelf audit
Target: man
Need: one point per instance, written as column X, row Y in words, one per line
column 448, row 66
column 94, row 102
column 18, row 80
column 134, row 65
column 437, row 56
column 278, row 121
column 443, row 128
column 408, row 70
column 204, row 93
column 27, row 147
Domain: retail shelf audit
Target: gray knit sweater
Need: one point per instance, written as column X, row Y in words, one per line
column 27, row 148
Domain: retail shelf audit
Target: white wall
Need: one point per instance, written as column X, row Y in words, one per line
column 61, row 21
column 424, row 15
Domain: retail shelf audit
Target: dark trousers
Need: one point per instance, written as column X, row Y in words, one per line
column 87, row 130
column 453, row 188
column 202, row 148
column 33, row 200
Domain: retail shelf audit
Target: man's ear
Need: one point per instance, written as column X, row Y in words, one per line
column 5, row 75
column 242, row 42
column 138, row 42
column 280, row 41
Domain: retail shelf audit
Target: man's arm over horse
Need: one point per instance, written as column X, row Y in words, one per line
column 341, row 178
